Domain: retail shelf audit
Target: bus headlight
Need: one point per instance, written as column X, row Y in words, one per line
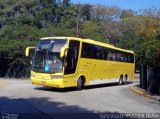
column 57, row 77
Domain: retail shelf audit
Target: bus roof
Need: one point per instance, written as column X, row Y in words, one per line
column 91, row 42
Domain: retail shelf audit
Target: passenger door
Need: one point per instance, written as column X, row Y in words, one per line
column 72, row 57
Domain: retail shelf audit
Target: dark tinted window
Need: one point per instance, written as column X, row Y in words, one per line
column 98, row 52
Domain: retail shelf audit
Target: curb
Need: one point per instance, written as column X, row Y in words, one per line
column 142, row 93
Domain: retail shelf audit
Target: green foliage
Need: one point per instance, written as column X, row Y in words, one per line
column 91, row 30
column 152, row 52
column 13, row 62
column 126, row 13
column 23, row 22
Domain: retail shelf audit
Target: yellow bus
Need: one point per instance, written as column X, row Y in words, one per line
column 74, row 62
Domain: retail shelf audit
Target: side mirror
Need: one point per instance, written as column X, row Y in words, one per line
column 63, row 52
column 27, row 51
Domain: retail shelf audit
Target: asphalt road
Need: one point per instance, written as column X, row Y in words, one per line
column 19, row 99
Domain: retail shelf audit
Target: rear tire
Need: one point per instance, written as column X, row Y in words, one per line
column 121, row 80
column 125, row 79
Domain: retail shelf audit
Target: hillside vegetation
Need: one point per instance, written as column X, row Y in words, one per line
column 23, row 22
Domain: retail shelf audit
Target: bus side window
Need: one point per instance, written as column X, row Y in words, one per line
column 113, row 56
column 84, row 54
column 86, row 50
column 109, row 55
column 131, row 56
column 126, row 57
column 91, row 52
column 122, row 57
column 106, row 52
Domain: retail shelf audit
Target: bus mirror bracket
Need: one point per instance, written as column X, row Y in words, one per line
column 27, row 50
column 63, row 52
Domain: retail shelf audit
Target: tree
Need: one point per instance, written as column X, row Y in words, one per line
column 91, row 30
column 147, row 32
column 126, row 13
column 101, row 13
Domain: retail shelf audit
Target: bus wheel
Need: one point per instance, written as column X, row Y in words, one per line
column 125, row 79
column 121, row 80
column 80, row 83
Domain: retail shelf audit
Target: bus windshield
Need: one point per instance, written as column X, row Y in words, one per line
column 47, row 56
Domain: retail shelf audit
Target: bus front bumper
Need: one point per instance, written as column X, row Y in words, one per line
column 58, row 83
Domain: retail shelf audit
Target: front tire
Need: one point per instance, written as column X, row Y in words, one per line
column 79, row 84
column 121, row 80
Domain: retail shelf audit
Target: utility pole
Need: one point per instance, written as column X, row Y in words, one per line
column 78, row 15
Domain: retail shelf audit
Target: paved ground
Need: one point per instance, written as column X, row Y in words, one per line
column 20, row 99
